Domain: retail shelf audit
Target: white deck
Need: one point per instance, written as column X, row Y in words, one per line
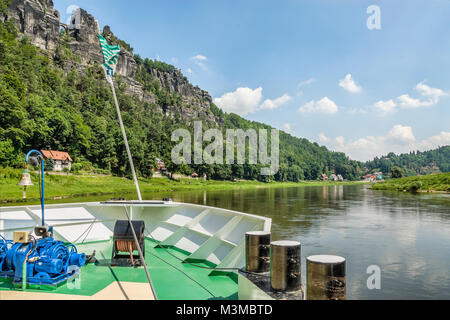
column 212, row 234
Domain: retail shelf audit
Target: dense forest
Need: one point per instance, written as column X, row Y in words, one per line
column 414, row 163
column 45, row 106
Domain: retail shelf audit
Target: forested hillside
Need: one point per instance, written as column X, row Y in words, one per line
column 414, row 163
column 48, row 100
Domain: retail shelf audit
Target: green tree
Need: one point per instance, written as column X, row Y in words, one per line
column 396, row 173
column 46, row 104
column 49, row 165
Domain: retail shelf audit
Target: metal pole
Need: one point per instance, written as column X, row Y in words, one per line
column 43, row 192
column 24, row 275
column 141, row 255
column 42, row 181
column 126, row 141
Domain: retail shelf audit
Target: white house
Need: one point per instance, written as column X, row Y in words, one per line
column 61, row 159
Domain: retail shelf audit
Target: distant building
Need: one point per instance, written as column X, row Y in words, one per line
column 324, row 177
column 340, row 178
column 160, row 165
column 61, row 160
column 75, row 20
column 334, row 177
column 379, row 175
column 373, row 177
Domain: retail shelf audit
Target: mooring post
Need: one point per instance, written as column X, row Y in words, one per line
column 326, row 278
column 285, row 266
column 257, row 251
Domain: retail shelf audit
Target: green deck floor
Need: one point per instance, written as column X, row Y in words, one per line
column 172, row 279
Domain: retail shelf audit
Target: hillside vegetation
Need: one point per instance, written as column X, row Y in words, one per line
column 45, row 106
column 414, row 163
column 430, row 183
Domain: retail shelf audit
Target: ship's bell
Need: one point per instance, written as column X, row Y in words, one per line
column 25, row 180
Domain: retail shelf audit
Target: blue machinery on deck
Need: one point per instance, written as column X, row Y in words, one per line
column 41, row 262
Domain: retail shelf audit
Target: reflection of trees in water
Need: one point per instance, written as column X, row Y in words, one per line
column 404, row 234
column 293, row 210
column 332, row 193
column 300, row 211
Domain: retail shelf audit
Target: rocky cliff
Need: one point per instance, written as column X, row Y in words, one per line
column 37, row 20
column 40, row 21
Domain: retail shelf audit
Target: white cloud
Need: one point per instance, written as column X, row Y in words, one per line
column 325, row 105
column 427, row 91
column 350, row 85
column 200, row 60
column 304, row 84
column 440, row 140
column 399, row 139
column 385, row 107
column 274, row 104
column 356, row 111
column 70, row 10
column 200, row 57
column 245, row 100
column 287, row 127
column 189, row 70
column 407, row 102
column 323, row 138
column 401, row 134
column 340, row 141
column 242, row 101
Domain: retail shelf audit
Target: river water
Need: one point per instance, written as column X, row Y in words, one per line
column 407, row 236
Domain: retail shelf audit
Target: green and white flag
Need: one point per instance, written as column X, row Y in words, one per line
column 111, row 56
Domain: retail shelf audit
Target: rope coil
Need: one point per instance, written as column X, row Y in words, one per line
column 127, row 246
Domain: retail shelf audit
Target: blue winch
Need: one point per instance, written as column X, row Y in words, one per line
column 31, row 261
column 46, row 261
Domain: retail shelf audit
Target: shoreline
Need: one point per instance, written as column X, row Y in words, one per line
column 435, row 183
column 60, row 187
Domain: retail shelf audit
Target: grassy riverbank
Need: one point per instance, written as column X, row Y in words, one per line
column 57, row 186
column 431, row 183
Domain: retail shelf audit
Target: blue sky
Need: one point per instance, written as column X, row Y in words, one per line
column 312, row 68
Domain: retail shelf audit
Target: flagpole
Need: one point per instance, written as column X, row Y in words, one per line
column 122, row 127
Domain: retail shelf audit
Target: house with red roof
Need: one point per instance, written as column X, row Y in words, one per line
column 334, row 177
column 61, row 159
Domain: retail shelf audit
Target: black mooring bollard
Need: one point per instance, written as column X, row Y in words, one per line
column 257, row 251
column 285, row 270
column 326, row 278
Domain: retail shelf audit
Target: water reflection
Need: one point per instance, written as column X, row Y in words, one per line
column 407, row 236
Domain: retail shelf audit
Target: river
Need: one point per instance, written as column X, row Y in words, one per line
column 407, row 236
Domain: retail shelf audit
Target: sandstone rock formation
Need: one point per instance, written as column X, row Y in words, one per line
column 40, row 21
column 37, row 20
